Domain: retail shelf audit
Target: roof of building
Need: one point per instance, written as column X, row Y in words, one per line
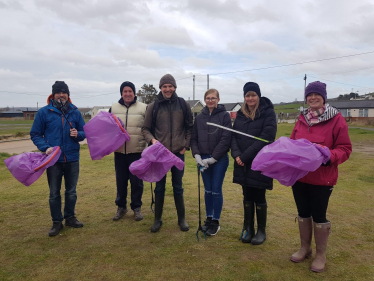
column 230, row 106
column 193, row 103
column 84, row 109
column 352, row 104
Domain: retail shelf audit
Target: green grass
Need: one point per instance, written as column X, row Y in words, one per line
column 127, row 250
column 287, row 108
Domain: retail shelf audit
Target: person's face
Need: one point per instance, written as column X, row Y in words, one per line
column 251, row 99
column 61, row 95
column 315, row 101
column 167, row 90
column 211, row 101
column 128, row 95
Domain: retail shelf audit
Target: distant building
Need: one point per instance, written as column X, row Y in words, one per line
column 196, row 107
column 355, row 109
column 232, row 108
column 85, row 111
column 11, row 114
column 96, row 109
column 29, row 114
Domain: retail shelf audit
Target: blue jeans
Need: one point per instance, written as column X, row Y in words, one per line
column 70, row 172
column 213, row 180
column 176, row 180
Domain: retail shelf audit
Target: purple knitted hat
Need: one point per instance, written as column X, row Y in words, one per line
column 316, row 87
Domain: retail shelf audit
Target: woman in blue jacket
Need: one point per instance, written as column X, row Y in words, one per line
column 209, row 146
column 256, row 118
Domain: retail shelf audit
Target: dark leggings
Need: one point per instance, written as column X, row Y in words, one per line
column 312, row 200
column 254, row 194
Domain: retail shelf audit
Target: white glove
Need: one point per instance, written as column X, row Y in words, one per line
column 209, row 161
column 198, row 160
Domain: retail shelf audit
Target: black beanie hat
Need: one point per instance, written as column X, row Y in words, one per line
column 252, row 86
column 60, row 86
column 127, row 84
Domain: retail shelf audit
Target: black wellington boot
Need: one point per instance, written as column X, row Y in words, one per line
column 179, row 205
column 249, row 225
column 261, row 214
column 159, row 205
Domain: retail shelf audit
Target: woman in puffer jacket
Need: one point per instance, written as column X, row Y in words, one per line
column 256, row 118
column 209, row 146
column 324, row 125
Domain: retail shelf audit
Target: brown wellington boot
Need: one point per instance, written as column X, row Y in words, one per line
column 321, row 235
column 305, row 229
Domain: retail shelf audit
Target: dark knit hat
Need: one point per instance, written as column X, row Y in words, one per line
column 316, row 87
column 167, row 79
column 127, row 84
column 60, row 86
column 252, row 86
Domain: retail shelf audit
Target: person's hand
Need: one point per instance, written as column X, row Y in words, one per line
column 73, row 133
column 239, row 161
column 183, row 151
column 198, row 160
column 49, row 150
column 153, row 141
column 209, row 161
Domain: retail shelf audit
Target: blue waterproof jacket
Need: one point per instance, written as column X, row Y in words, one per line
column 50, row 128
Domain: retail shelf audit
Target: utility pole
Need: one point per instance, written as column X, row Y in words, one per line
column 193, row 87
column 207, row 78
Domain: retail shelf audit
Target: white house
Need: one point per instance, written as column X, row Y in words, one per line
column 96, row 109
column 355, row 109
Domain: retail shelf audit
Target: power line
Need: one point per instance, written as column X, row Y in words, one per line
column 340, row 82
column 291, row 64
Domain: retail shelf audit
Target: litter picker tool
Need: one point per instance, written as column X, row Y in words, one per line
column 198, row 185
column 67, row 120
column 238, row 132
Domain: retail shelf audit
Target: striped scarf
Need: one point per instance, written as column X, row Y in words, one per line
column 313, row 116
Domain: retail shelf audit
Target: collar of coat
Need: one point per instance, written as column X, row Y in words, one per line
column 329, row 113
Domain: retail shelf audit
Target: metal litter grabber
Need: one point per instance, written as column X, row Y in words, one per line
column 198, row 185
column 153, row 200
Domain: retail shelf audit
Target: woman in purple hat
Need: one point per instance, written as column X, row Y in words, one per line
column 322, row 124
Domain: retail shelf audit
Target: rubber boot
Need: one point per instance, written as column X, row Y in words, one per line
column 249, row 225
column 261, row 214
column 179, row 204
column 159, row 205
column 305, row 229
column 321, row 235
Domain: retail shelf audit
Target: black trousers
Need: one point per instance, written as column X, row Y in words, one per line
column 312, row 200
column 254, row 194
column 122, row 163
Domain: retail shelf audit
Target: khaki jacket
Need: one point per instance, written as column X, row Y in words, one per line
column 133, row 119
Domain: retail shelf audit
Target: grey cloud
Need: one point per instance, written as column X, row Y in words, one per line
column 165, row 36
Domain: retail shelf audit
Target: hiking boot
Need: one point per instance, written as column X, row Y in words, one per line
column 213, row 228
column 56, row 228
column 73, row 222
column 120, row 213
column 138, row 214
column 207, row 222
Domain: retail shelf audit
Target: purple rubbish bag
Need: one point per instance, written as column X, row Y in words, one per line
column 29, row 166
column 105, row 133
column 288, row 160
column 156, row 161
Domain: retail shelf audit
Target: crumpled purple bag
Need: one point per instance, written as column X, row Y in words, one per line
column 105, row 133
column 29, row 166
column 288, row 160
column 156, row 161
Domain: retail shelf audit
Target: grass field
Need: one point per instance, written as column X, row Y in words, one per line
column 127, row 250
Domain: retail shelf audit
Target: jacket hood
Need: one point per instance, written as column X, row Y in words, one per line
column 265, row 103
column 50, row 97
column 220, row 108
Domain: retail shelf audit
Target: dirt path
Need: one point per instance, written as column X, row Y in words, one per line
column 20, row 146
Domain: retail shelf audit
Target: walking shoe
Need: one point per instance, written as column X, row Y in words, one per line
column 138, row 214
column 73, row 222
column 56, row 228
column 207, row 222
column 213, row 228
column 120, row 213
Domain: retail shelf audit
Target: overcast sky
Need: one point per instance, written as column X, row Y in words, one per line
column 96, row 45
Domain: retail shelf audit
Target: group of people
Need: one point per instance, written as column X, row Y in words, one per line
column 169, row 120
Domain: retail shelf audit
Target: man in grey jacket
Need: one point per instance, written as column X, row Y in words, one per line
column 169, row 121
